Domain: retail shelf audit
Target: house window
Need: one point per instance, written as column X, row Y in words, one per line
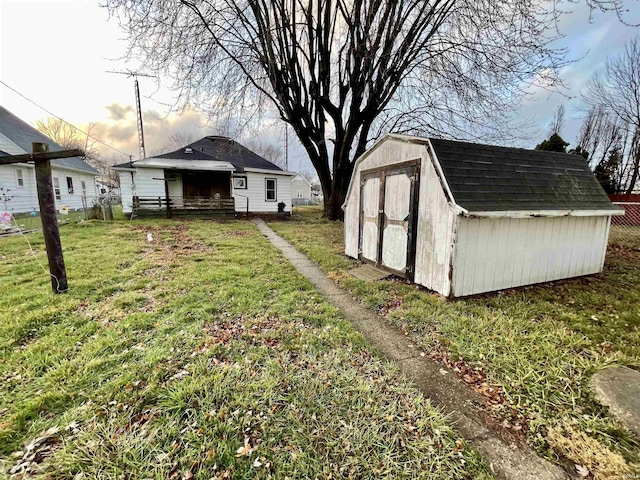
column 240, row 183
column 19, row 178
column 299, row 194
column 56, row 188
column 270, row 189
column 84, row 188
column 70, row 184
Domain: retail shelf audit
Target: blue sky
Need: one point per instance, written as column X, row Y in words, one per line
column 57, row 52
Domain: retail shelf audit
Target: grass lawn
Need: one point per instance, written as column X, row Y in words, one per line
column 201, row 354
column 531, row 351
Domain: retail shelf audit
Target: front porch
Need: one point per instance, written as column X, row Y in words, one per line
column 188, row 192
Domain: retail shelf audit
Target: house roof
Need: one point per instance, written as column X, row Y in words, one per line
column 211, row 149
column 487, row 178
column 21, row 134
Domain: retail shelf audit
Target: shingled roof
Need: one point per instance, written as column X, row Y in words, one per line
column 220, row 149
column 484, row 178
column 22, row 134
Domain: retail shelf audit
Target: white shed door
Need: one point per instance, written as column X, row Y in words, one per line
column 370, row 206
column 388, row 217
column 397, row 210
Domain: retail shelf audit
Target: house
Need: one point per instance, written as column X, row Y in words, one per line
column 107, row 187
column 461, row 219
column 301, row 191
column 73, row 179
column 214, row 175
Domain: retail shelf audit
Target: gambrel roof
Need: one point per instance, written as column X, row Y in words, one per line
column 20, row 135
column 491, row 178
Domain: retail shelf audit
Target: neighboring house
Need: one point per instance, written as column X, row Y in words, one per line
column 106, row 187
column 214, row 174
column 461, row 218
column 73, row 179
column 300, row 191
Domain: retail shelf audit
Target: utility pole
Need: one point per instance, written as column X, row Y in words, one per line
column 286, row 146
column 135, row 75
column 42, row 157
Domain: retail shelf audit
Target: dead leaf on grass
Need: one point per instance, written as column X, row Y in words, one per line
column 245, row 450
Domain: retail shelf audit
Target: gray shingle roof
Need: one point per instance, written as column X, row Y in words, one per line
column 22, row 134
column 222, row 149
column 491, row 178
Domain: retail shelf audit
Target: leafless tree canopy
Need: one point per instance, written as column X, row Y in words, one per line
column 342, row 72
column 69, row 137
column 558, row 121
column 613, row 120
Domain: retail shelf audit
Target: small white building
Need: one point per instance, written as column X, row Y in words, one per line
column 462, row 219
column 73, row 179
column 300, row 191
column 215, row 174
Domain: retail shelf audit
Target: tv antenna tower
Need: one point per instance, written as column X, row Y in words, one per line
column 135, row 75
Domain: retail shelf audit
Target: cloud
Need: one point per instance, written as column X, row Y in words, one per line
column 119, row 112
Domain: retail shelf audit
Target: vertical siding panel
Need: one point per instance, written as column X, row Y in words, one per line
column 493, row 253
column 586, row 243
column 482, row 243
column 564, row 248
column 599, row 243
column 470, row 244
column 510, row 253
column 501, row 257
column 460, row 257
column 570, row 239
column 574, row 246
column 550, row 231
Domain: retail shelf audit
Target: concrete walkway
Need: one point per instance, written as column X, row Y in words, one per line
column 507, row 459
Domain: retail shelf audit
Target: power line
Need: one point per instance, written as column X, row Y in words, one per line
column 63, row 120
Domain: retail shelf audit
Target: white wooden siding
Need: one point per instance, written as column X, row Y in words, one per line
column 494, row 254
column 436, row 222
column 25, row 199
column 256, row 193
column 299, row 183
column 144, row 183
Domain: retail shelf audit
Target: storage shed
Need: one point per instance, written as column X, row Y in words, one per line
column 461, row 218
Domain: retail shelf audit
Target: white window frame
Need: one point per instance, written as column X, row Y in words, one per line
column 299, row 193
column 70, row 185
column 267, row 189
column 83, row 185
column 20, row 178
column 56, row 188
column 239, row 183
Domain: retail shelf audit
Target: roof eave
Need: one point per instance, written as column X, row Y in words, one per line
column 542, row 213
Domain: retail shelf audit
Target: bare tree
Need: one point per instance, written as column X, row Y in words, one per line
column 273, row 153
column 341, row 72
column 69, row 137
column 558, row 121
column 616, row 93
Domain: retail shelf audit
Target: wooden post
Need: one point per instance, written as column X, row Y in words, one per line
column 166, row 196
column 47, row 201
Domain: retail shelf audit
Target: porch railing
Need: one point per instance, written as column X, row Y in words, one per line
column 151, row 204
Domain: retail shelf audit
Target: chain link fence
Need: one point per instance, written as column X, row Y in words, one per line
column 625, row 229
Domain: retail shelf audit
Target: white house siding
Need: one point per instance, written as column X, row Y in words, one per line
column 299, row 184
column 386, row 153
column 25, row 199
column 142, row 184
column 494, row 254
column 435, row 231
column 256, row 193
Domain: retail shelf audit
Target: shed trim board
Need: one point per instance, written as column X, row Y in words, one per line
column 457, row 251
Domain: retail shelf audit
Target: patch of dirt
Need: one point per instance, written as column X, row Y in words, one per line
column 165, row 252
column 238, row 233
column 265, row 331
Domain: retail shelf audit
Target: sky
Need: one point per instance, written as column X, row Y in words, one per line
column 57, row 53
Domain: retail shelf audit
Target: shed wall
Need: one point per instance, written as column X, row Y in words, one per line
column 434, row 243
column 494, row 254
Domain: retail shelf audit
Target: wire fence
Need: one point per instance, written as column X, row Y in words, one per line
column 625, row 229
column 22, row 213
